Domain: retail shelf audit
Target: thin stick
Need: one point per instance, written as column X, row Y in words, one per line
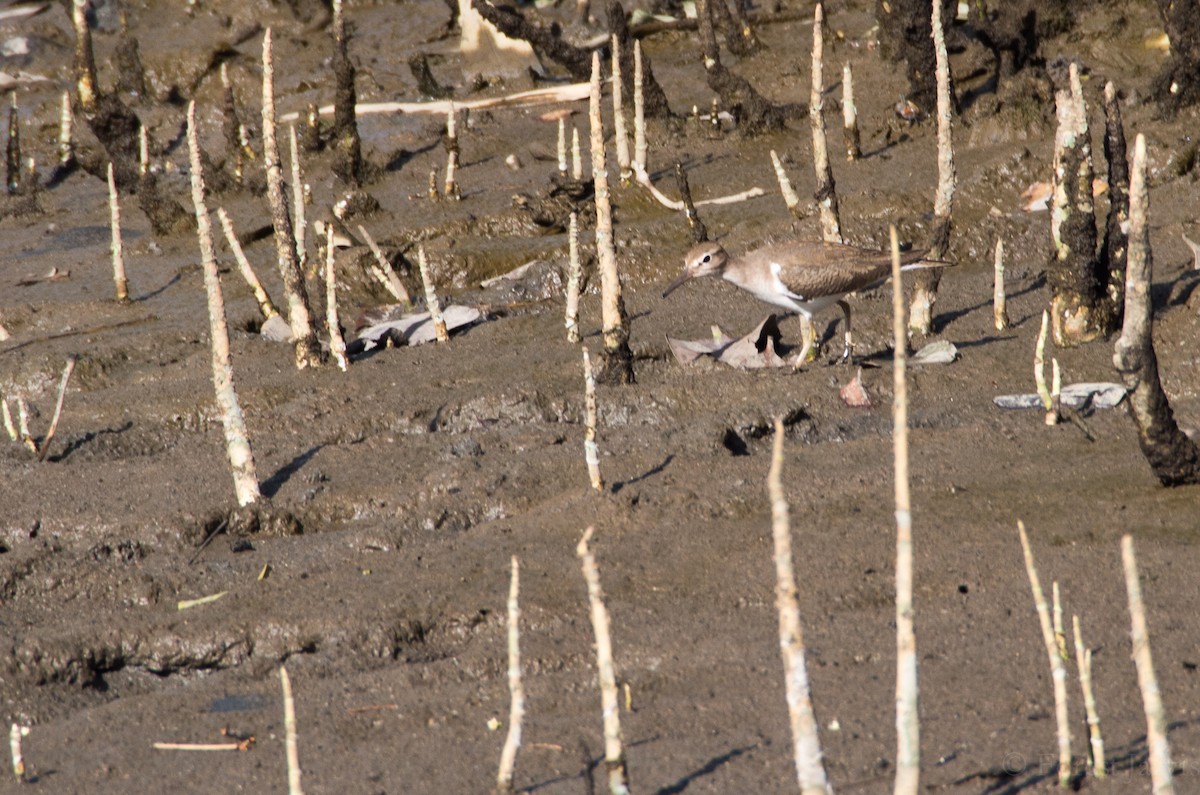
column 826, row 192
column 451, row 187
column 337, row 344
column 289, row 729
column 237, row 438
column 301, row 225
column 198, row 746
column 562, row 147
column 695, row 224
column 383, row 271
column 643, row 179
column 576, row 157
column 1055, row 393
column 640, row 147
column 806, row 745
column 999, row 301
column 591, row 450
column 1156, row 724
column 1060, row 635
column 574, row 277
column 516, row 714
column 23, row 420
column 58, row 407
column 572, row 92
column 118, row 253
column 304, row 335
column 15, row 733
column 431, row 299
column 614, row 753
column 66, row 125
column 908, row 726
column 850, row 135
column 1039, row 371
column 1083, row 660
column 433, row 192
column 8, row 420
column 785, row 185
column 624, row 164
column 143, row 150
column 1057, row 669
column 265, row 305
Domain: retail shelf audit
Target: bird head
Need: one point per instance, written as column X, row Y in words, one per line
column 705, row 259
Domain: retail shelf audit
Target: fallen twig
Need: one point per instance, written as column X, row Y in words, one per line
column 572, row 92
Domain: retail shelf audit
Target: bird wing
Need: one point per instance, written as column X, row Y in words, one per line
column 822, row 269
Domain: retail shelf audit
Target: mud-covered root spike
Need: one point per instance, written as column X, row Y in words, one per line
column 574, row 279
column 337, row 343
column 1039, row 372
column 431, row 298
column 790, row 199
column 999, row 296
column 576, row 156
column 806, row 745
column 237, row 438
column 348, row 162
column 826, row 190
column 908, row 721
column 66, row 132
column 300, row 317
column 562, row 148
column 516, row 690
column 1172, row 455
column 1115, row 246
column 591, row 450
column 301, row 224
column 12, row 169
column 620, row 135
column 450, row 189
column 383, row 271
column 926, row 281
column 618, row 358
column 118, row 250
column 290, row 741
column 851, row 137
column 640, row 147
column 265, row 305
column 1083, row 661
column 1157, row 743
column 1058, row 669
column 614, row 750
column 695, row 224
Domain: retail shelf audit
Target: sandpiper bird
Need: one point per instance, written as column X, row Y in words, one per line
column 800, row 276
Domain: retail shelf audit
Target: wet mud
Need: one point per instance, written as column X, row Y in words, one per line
column 399, row 489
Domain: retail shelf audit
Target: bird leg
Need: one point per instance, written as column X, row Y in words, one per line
column 808, row 338
column 848, row 353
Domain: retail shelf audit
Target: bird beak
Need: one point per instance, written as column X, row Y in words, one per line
column 680, row 279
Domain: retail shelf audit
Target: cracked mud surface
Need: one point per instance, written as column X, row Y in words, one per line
column 418, row 473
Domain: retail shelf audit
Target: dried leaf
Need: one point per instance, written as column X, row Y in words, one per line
column 854, row 394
